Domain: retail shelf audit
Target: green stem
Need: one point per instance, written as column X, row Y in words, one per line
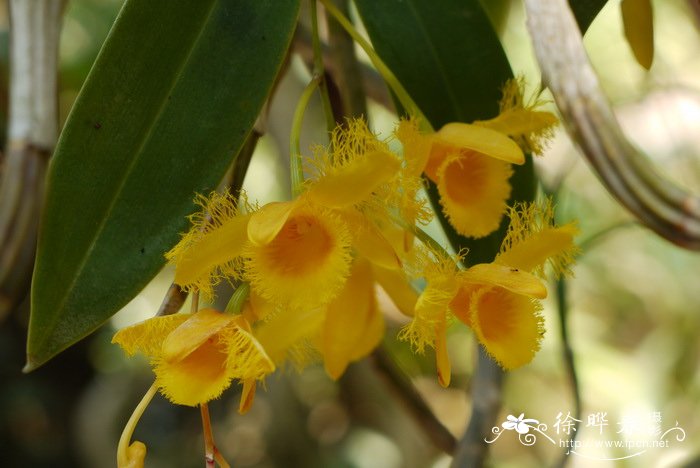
column 128, row 432
column 238, row 298
column 297, row 169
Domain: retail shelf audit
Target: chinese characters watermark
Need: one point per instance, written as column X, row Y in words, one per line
column 635, row 434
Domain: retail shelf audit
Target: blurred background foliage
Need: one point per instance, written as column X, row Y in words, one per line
column 633, row 315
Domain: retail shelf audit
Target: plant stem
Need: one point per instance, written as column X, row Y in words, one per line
column 128, row 432
column 296, row 167
column 208, row 436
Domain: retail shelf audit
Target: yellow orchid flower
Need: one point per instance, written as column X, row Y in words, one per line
column 298, row 253
column 501, row 305
column 195, row 356
column 502, row 311
column 499, row 300
column 470, row 165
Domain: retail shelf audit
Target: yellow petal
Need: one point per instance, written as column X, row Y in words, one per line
column 148, row 336
column 197, row 378
column 512, row 279
column 374, row 332
column 396, row 285
column 508, row 325
column 268, row 221
column 482, row 140
column 347, row 319
column 638, row 20
column 473, row 193
column 372, row 245
column 286, row 329
column 247, row 359
column 212, row 249
column 353, row 182
column 442, row 359
column 520, row 121
column 553, row 243
column 247, row 395
column 198, row 328
column 306, row 264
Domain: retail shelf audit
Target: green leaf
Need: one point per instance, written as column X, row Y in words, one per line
column 168, row 104
column 585, row 11
column 449, row 59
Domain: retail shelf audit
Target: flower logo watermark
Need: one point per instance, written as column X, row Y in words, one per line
column 635, row 435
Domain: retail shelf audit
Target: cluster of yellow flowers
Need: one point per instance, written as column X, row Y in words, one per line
column 306, row 269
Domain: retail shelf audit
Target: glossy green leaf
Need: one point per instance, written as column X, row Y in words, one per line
column 585, row 11
column 168, row 104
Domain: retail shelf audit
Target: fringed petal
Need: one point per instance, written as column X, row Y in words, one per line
column 355, row 181
column 508, row 325
column 306, row 264
column 207, row 252
column 247, row 358
column 147, row 337
column 533, row 240
column 206, row 258
column 473, row 193
column 555, row 245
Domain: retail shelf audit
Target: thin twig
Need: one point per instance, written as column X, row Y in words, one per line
column 413, row 402
column 568, row 356
column 208, row 436
column 486, row 402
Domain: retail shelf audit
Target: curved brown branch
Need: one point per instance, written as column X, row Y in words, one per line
column 627, row 174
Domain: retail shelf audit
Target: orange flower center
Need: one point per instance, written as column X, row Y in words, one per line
column 301, row 245
column 466, row 177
